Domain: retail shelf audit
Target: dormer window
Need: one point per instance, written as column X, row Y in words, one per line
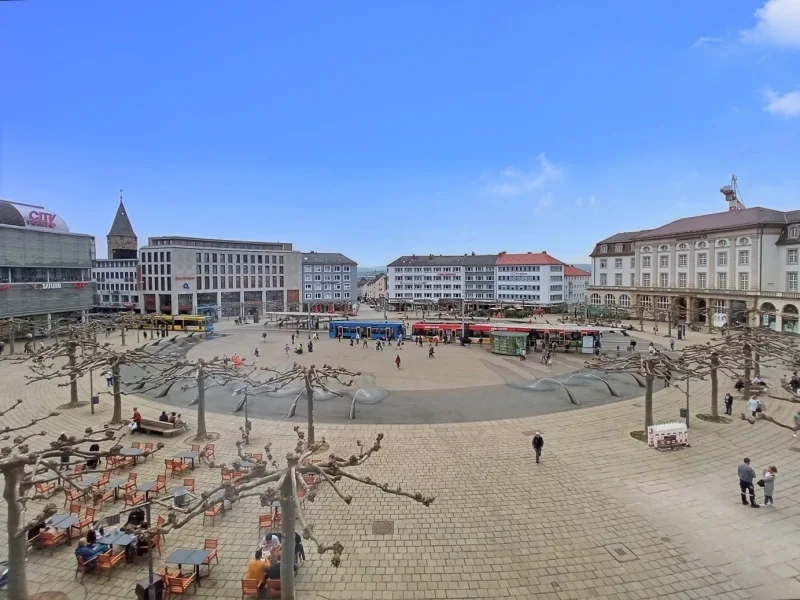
column 618, row 248
column 794, row 231
column 603, row 249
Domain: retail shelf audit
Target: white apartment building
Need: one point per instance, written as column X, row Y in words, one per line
column 181, row 275
column 729, row 264
column 116, row 284
column 374, row 288
column 531, row 278
column 425, row 280
column 576, row 282
column 479, row 279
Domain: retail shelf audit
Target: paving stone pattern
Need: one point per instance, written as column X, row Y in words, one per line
column 501, row 525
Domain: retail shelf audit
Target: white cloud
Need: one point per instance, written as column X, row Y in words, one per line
column 777, row 22
column 515, row 182
column 592, row 200
column 544, row 202
column 705, row 40
column 785, row 105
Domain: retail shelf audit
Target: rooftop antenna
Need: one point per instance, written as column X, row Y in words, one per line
column 732, row 194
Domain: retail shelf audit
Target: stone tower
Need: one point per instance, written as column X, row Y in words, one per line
column 122, row 241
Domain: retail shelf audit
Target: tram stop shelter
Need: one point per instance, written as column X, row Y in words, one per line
column 510, row 343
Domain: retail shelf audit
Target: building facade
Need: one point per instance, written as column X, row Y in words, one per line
column 374, row 289
column 225, row 278
column 479, row 279
column 534, row 278
column 329, row 280
column 576, row 281
column 428, row 279
column 116, row 280
column 729, row 266
column 45, row 270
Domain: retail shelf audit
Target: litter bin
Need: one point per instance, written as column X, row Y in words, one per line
column 95, row 399
column 683, row 413
column 145, row 590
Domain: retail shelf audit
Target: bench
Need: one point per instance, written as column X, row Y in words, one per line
column 164, row 428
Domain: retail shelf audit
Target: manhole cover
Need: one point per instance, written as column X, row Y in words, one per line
column 383, row 527
column 666, row 539
column 621, row 552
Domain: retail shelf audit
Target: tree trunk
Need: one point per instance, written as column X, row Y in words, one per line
column 641, row 319
column 117, row 417
column 310, row 397
column 714, row 384
column 122, row 333
column 757, row 363
column 201, row 403
column 669, row 324
column 748, row 368
column 648, row 401
column 17, row 545
column 11, row 336
column 288, row 508
column 73, row 379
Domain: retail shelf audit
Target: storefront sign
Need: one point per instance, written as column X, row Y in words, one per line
column 186, row 286
column 4, row 287
column 184, row 278
column 41, row 219
column 47, row 286
column 79, row 284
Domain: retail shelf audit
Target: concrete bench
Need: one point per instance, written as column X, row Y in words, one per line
column 164, row 428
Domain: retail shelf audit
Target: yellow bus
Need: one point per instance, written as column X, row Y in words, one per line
column 177, row 322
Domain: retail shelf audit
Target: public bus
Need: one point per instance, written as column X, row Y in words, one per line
column 429, row 331
column 204, row 323
column 538, row 333
column 372, row 330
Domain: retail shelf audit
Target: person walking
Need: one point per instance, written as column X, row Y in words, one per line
column 287, row 349
column 256, row 352
column 746, row 477
column 538, row 444
column 293, row 339
column 752, row 406
column 769, row 485
column 263, row 337
column 728, row 404
column 672, row 345
column 109, row 379
column 430, row 352
column 397, row 361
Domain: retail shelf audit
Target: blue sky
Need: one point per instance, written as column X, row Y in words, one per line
column 379, row 129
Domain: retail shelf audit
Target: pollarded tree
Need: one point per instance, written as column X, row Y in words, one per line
column 24, row 472
column 269, row 482
column 312, row 378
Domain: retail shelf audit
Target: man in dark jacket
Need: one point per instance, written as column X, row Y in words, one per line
column 538, row 444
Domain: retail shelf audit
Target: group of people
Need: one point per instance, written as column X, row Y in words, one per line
column 747, row 479
column 266, row 562
column 174, row 418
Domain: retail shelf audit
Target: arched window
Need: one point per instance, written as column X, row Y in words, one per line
column 682, row 246
column 722, row 243
column 647, row 249
column 744, row 241
column 664, row 248
column 701, row 244
column 624, row 300
column 595, row 299
column 609, row 299
column 645, row 301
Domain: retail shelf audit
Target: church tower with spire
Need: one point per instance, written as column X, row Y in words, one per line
column 121, row 239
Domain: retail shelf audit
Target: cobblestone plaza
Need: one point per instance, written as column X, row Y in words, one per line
column 602, row 516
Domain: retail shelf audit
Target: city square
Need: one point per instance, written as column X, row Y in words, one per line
column 601, row 516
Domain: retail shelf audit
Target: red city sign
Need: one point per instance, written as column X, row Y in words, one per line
column 79, row 284
column 5, row 287
column 41, row 219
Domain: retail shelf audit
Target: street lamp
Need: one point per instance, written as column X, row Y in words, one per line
column 243, row 404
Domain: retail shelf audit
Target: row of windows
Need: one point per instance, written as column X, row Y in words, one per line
column 209, row 282
column 108, row 275
column 150, row 257
column 326, row 268
column 240, row 270
column 429, row 295
column 38, row 275
column 113, row 264
column 345, row 277
column 519, row 288
column 239, row 258
column 127, row 287
column 428, row 269
column 154, row 269
column 327, row 286
column 326, row 296
column 429, row 286
column 124, row 298
column 518, row 278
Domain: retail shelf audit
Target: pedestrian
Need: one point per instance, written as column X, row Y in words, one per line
column 430, row 352
column 633, row 345
column 397, row 361
column 522, row 354
column 672, row 345
column 752, row 406
column 109, row 378
column 293, row 339
column 286, row 349
column 351, row 341
column 65, row 456
column 365, row 344
column 256, row 352
column 746, row 477
column 796, row 423
column 263, row 337
column 2, row 346
column 651, row 349
column 310, row 346
column 538, row 444
column 769, row 485
column 728, row 404
column 144, row 333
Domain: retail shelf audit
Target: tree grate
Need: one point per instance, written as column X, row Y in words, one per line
column 621, row 552
column 383, row 527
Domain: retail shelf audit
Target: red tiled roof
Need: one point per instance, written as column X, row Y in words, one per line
column 570, row 271
column 529, row 258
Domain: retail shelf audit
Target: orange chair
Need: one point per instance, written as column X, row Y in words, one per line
column 136, row 445
column 87, row 520
column 72, row 494
column 195, row 448
column 212, row 512
column 148, row 447
column 213, row 545
column 82, row 569
column 311, row 479
column 210, row 451
column 133, row 499
column 250, row 588
column 75, row 510
column 156, row 543
column 175, row 466
column 161, row 484
column 179, row 585
column 227, row 476
column 77, row 472
column 45, row 488
column 301, row 496
column 50, row 539
column 109, row 560
column 131, row 483
column 189, row 484
column 268, row 521
column 161, row 521
column 104, row 479
column 274, row 588
column 102, row 497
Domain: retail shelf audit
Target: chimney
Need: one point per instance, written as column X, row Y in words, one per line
column 544, row 252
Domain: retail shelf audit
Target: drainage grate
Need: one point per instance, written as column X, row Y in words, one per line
column 621, row 552
column 383, row 527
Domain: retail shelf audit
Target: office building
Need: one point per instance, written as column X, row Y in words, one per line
column 425, row 280
column 531, row 278
column 224, row 278
column 576, row 281
column 45, row 269
column 479, row 279
column 735, row 265
column 329, row 281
